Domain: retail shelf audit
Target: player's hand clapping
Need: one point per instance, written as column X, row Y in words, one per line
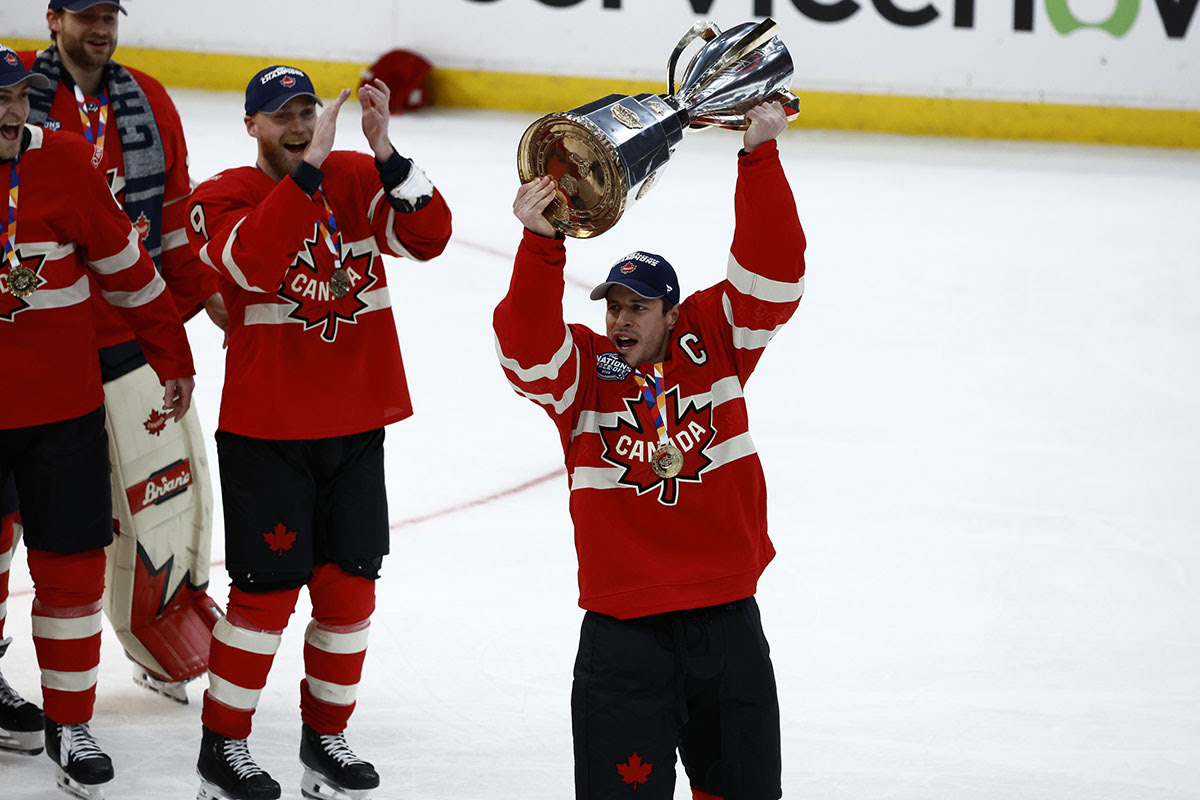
column 375, row 98
column 322, row 140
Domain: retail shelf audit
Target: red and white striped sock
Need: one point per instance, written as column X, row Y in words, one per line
column 6, row 550
column 66, row 630
column 335, row 645
column 243, row 646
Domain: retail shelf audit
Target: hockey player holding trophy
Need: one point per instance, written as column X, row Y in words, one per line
column 653, row 422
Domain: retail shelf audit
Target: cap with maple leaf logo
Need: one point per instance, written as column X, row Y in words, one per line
column 648, row 274
column 12, row 71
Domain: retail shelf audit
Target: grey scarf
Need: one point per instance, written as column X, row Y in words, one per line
column 141, row 145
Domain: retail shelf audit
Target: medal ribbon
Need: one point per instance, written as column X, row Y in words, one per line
column 8, row 236
column 656, row 399
column 96, row 138
column 326, row 227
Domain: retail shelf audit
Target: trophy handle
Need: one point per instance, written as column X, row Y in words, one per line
column 703, row 29
column 761, row 34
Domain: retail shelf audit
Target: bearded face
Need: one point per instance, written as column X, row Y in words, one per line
column 284, row 135
column 86, row 38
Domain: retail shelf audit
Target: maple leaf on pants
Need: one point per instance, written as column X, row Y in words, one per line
column 280, row 539
column 634, row 770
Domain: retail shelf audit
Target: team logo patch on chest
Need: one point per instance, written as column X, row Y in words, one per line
column 142, row 226
column 307, row 286
column 631, row 445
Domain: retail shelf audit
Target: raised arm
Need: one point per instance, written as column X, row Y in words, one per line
column 535, row 347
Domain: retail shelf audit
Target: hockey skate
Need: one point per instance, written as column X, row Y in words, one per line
column 228, row 772
column 82, row 765
column 172, row 690
column 20, row 721
column 331, row 770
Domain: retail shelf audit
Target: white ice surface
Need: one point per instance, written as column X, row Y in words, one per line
column 980, row 435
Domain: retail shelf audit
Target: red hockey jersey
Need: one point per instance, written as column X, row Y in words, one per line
column 69, row 229
column 648, row 544
column 303, row 364
column 189, row 281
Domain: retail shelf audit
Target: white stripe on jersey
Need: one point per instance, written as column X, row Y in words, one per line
column 126, row 258
column 277, row 313
column 747, row 338
column 173, row 239
column 141, row 297
column 723, row 391
column 760, row 288
column 557, row 405
column 721, row 454
column 549, row 370
column 227, row 261
column 731, row 450
column 393, row 242
column 79, row 292
column 53, row 251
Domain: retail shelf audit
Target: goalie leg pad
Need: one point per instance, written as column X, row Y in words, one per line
column 158, row 563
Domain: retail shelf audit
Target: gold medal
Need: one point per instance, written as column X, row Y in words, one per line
column 339, row 283
column 22, row 282
column 666, row 461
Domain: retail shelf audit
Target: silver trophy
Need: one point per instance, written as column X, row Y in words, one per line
column 605, row 154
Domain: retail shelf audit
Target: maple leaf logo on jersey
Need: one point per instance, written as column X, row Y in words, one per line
column 306, row 284
column 155, row 423
column 634, row 770
column 279, row 539
column 142, row 225
column 10, row 304
column 631, row 445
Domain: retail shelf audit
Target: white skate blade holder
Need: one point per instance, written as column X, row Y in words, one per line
column 209, row 791
column 28, row 743
column 77, row 789
column 316, row 786
column 172, row 690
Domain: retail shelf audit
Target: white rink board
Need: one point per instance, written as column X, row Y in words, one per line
column 863, row 53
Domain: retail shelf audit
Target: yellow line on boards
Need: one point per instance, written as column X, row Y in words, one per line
column 938, row 116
